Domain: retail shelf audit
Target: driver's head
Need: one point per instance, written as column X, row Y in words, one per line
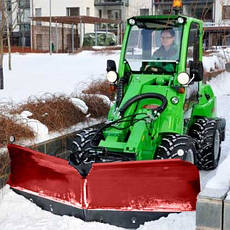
column 167, row 38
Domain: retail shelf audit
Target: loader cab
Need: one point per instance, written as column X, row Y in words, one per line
column 154, row 45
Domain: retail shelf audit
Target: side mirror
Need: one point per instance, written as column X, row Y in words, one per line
column 196, row 70
column 111, row 66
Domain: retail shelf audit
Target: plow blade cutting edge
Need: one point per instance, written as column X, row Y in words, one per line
column 125, row 194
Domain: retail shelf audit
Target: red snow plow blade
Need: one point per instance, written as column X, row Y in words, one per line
column 124, row 194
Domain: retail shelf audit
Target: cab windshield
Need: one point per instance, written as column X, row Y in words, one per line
column 155, row 43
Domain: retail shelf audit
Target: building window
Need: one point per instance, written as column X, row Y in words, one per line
column 109, row 13
column 87, row 11
column 38, row 13
column 73, row 11
column 9, row 5
column 144, row 11
column 114, row 14
column 24, row 27
column 23, row 16
column 24, row 3
column 100, row 13
column 203, row 12
column 226, row 12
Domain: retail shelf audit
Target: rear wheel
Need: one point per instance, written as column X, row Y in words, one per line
column 175, row 146
column 208, row 142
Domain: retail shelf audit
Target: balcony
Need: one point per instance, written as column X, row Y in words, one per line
column 185, row 2
column 111, row 3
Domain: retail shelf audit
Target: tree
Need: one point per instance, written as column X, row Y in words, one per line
column 1, row 41
column 7, row 25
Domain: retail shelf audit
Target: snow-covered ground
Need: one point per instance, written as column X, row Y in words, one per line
column 35, row 74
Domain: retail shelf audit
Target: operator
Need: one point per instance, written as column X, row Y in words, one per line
column 167, row 51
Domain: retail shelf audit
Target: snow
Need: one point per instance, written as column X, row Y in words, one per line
column 18, row 213
column 57, row 73
column 172, row 222
column 216, row 60
column 39, row 129
column 80, row 104
column 221, row 88
column 105, row 99
column 36, row 74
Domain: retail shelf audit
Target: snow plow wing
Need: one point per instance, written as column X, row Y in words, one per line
column 125, row 194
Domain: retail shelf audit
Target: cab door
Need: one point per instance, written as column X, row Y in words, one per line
column 193, row 54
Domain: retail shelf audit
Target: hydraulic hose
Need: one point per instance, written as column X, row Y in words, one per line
column 120, row 89
column 160, row 109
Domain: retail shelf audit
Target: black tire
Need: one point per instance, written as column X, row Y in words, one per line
column 175, row 146
column 208, row 142
column 83, row 148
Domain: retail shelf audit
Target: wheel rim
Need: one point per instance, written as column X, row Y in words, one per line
column 216, row 145
column 190, row 156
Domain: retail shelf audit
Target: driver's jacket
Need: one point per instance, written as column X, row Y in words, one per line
column 163, row 54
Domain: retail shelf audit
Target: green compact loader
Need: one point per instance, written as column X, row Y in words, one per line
column 163, row 108
column 140, row 165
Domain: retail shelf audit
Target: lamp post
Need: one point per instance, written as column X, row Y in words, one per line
column 152, row 7
column 50, row 47
column 123, row 20
column 32, row 25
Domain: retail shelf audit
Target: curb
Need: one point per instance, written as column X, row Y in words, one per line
column 59, row 146
column 213, row 210
column 226, row 222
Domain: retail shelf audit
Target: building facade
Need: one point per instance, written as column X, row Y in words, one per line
column 214, row 13
column 110, row 9
column 61, row 37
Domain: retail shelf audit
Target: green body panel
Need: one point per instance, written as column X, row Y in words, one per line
column 143, row 137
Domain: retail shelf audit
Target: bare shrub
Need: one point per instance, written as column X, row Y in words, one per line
column 213, row 74
column 105, row 50
column 4, row 168
column 100, row 87
column 56, row 112
column 9, row 128
column 97, row 107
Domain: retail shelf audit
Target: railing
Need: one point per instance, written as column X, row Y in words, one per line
column 213, row 24
column 185, row 2
column 111, row 2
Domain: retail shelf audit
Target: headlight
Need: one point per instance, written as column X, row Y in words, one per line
column 183, row 78
column 180, row 20
column 12, row 139
column 111, row 76
column 132, row 21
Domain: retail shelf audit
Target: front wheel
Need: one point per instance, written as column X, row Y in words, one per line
column 175, row 146
column 82, row 150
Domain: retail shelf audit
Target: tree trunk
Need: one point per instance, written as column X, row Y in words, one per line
column 1, row 44
column 1, row 78
column 8, row 40
column 1, row 62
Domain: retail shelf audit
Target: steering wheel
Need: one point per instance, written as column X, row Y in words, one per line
column 152, row 69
